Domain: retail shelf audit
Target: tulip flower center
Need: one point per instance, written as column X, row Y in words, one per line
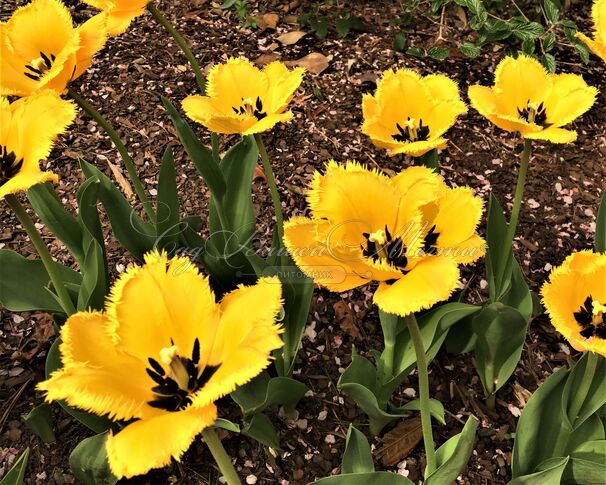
column 250, row 107
column 381, row 245
column 177, row 377
column 592, row 319
column 411, row 131
column 534, row 113
column 9, row 165
column 39, row 66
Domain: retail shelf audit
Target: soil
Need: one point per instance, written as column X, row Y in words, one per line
column 558, row 216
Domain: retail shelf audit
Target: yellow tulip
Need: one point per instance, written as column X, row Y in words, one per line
column 409, row 113
column 527, row 99
column 160, row 356
column 575, row 299
column 598, row 43
column 41, row 49
column 244, row 99
column 120, row 13
column 408, row 232
column 28, row 128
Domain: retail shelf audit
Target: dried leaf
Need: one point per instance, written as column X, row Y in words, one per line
column 400, row 441
column 259, row 173
column 122, row 182
column 315, row 62
column 346, row 320
column 268, row 21
column 290, row 38
column 265, row 59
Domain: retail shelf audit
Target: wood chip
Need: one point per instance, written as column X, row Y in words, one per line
column 290, row 38
column 345, row 317
column 122, row 182
column 315, row 63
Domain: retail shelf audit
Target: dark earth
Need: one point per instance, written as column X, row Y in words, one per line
column 558, row 216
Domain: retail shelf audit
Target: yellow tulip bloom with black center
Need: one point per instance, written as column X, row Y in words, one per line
column 527, row 99
column 41, row 49
column 120, row 13
column 575, row 299
column 598, row 43
column 28, row 128
column 244, row 99
column 409, row 232
column 161, row 354
column 409, row 113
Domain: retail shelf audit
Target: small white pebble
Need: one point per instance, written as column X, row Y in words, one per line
column 322, row 415
column 330, row 439
column 410, row 392
column 251, row 479
column 547, row 267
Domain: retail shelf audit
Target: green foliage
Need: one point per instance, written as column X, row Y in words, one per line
column 562, row 420
column 16, row 474
column 88, row 462
column 40, row 421
column 341, row 21
column 242, row 9
column 535, row 28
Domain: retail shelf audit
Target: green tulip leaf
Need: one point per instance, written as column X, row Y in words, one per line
column 16, row 474
column 40, row 421
column 378, row 478
column 167, row 206
column 88, row 462
column 261, row 429
column 357, row 457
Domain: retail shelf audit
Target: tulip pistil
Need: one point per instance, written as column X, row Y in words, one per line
column 184, row 377
column 534, row 113
column 9, row 165
column 592, row 319
column 381, row 245
column 411, row 132
column 251, row 108
column 39, row 66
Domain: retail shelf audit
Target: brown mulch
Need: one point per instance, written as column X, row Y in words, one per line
column 558, row 217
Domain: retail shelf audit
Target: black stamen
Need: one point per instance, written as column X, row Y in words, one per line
column 195, row 355
column 46, row 60
column 156, row 366
column 158, row 379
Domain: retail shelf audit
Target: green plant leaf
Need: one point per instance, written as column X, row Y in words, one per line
column 551, row 474
column 438, row 53
column 430, row 159
column 227, row 424
column 167, row 205
column 136, row 235
column 552, row 11
column 16, row 474
column 600, row 227
column 417, row 52
column 549, row 42
column 549, row 61
column 357, row 457
column 88, row 462
column 200, row 156
column 98, row 424
column 94, row 287
column 264, row 391
column 501, row 331
column 238, row 167
column 470, row 50
column 436, row 408
column 378, row 478
column 320, row 27
column 59, row 221
column 453, row 455
column 33, row 276
column 400, row 42
column 261, row 428
column 496, row 230
column 40, row 421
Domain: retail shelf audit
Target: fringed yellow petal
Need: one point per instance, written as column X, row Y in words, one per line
column 571, row 97
column 283, row 83
column 468, row 251
column 582, row 275
column 519, row 80
column 162, row 301
column 458, row 216
column 23, row 181
column 342, row 195
column 268, row 122
column 153, row 443
column 328, row 267
column 93, row 35
column 598, row 48
column 418, row 148
column 432, row 280
column 246, row 336
column 233, row 81
column 96, row 377
column 554, row 135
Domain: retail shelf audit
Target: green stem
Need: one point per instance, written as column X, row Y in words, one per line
column 47, row 260
column 417, row 341
column 200, row 79
column 517, row 204
column 221, row 457
column 581, row 393
column 275, row 196
column 126, row 158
